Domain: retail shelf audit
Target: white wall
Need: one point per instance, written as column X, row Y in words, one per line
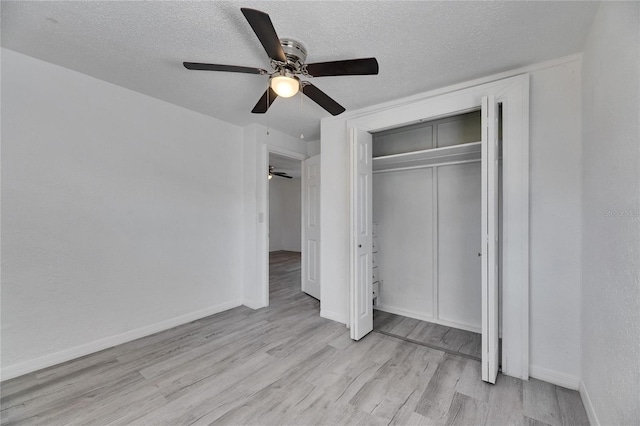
column 555, row 219
column 459, row 242
column 403, row 210
column 555, row 209
column 285, row 214
column 118, row 216
column 276, row 194
column 292, row 229
column 257, row 141
column 313, row 148
column 611, row 216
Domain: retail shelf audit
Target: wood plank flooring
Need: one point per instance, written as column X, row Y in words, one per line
column 436, row 336
column 281, row 365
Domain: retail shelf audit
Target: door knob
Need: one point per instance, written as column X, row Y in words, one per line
column 359, row 245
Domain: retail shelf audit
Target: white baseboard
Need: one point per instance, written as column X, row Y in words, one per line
column 253, row 304
column 88, row 348
column 588, row 406
column 554, row 377
column 333, row 316
column 422, row 317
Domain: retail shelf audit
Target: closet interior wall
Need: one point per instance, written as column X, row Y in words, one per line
column 428, row 221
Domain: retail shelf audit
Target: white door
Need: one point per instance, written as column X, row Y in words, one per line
column 489, row 239
column 361, row 307
column 311, row 226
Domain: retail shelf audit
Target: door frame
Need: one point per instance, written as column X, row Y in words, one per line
column 513, row 94
column 263, row 205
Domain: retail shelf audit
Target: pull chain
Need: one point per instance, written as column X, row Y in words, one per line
column 267, row 110
column 302, row 108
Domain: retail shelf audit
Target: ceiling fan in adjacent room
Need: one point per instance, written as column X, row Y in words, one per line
column 273, row 173
column 288, row 58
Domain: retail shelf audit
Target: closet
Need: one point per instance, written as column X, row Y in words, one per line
column 426, row 192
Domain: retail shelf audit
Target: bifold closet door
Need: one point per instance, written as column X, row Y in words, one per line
column 489, row 238
column 361, row 292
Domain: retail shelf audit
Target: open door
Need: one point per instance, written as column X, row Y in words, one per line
column 489, row 239
column 361, row 307
column 311, row 226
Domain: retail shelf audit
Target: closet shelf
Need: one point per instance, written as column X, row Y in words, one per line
column 428, row 157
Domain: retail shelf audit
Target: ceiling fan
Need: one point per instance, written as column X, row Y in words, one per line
column 272, row 173
column 288, row 58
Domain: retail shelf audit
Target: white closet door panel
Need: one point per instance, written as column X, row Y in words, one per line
column 311, row 225
column 490, row 237
column 459, row 242
column 361, row 291
column 402, row 207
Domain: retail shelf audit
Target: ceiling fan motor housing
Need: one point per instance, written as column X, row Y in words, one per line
column 294, row 50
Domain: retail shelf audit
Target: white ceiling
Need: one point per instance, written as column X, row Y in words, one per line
column 419, row 46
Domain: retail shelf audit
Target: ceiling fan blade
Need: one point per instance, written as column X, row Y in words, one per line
column 280, row 174
column 265, row 101
column 364, row 66
column 263, row 27
column 322, row 99
column 228, row 68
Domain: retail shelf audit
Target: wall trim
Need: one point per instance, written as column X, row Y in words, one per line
column 50, row 360
column 588, row 406
column 253, row 304
column 427, row 318
column 558, row 378
column 333, row 316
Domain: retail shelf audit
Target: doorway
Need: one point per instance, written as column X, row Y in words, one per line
column 292, row 207
column 284, row 234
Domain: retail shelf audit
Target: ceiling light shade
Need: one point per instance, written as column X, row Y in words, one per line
column 285, row 86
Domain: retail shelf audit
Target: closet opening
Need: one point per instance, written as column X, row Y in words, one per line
column 427, row 232
column 504, row 233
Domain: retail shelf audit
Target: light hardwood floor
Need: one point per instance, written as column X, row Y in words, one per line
column 436, row 336
column 278, row 365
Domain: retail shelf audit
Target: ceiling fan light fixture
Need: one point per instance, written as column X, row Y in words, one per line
column 285, row 85
column 288, row 59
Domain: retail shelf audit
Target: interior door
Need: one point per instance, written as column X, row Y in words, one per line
column 489, row 239
column 361, row 307
column 311, row 226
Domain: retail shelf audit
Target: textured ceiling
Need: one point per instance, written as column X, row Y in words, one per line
column 419, row 46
